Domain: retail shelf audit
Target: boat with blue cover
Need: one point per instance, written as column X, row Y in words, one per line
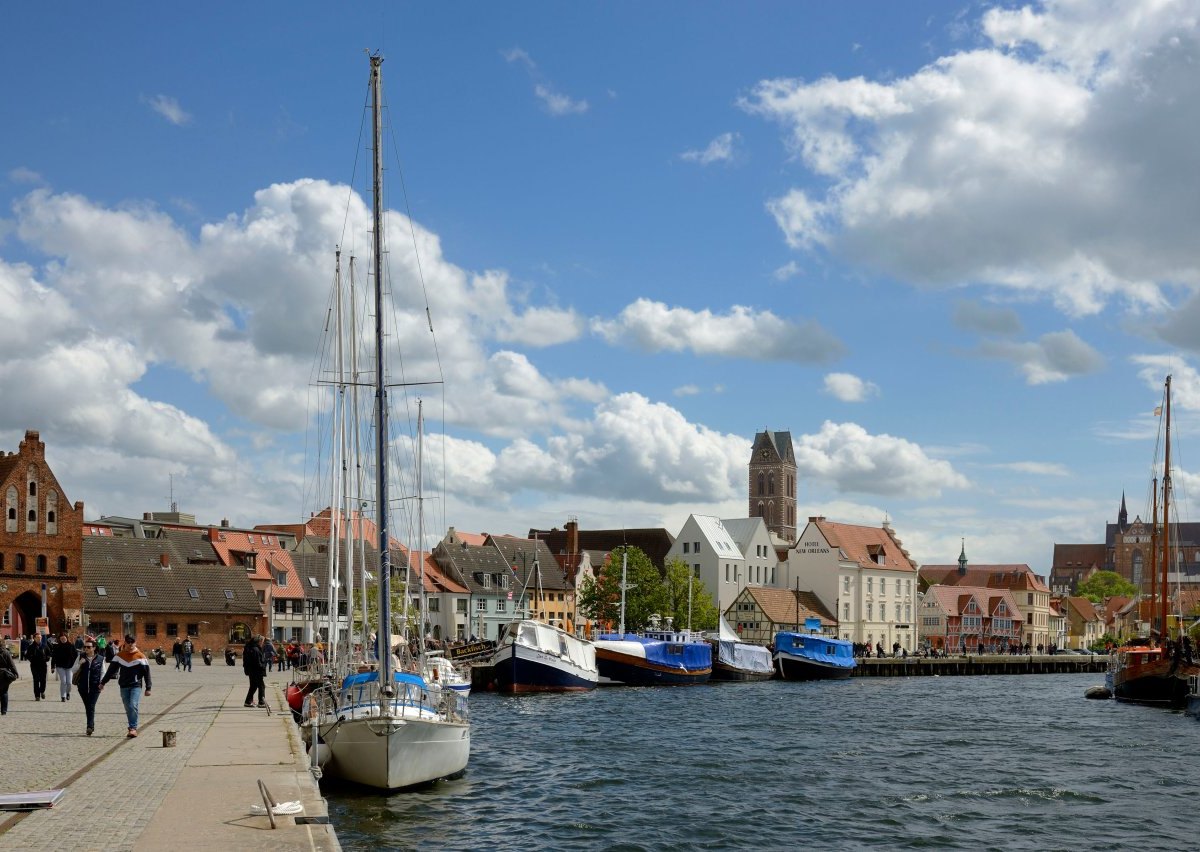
column 811, row 656
column 653, row 658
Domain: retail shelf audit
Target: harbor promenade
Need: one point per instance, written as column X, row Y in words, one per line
column 139, row 794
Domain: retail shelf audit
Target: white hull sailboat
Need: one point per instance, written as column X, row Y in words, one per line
column 385, row 728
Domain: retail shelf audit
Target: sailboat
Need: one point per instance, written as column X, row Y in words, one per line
column 1155, row 670
column 382, row 727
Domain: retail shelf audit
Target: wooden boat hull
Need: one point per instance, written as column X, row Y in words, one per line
column 725, row 672
column 518, row 669
column 1153, row 683
column 618, row 668
column 797, row 668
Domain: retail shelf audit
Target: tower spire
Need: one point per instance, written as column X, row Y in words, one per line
column 1123, row 515
column 962, row 559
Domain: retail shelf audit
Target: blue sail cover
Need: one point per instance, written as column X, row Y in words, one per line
column 819, row 649
column 689, row 655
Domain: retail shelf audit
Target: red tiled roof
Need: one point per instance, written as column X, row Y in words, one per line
column 1012, row 577
column 954, row 599
column 780, row 605
column 270, row 559
column 861, row 544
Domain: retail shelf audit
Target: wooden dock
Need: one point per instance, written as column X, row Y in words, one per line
column 982, row 664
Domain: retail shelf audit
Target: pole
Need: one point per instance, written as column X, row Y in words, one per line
column 1166, row 519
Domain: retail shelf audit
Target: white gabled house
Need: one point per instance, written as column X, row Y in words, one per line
column 862, row 575
column 706, row 546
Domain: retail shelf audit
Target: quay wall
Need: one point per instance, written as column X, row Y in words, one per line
column 982, row 664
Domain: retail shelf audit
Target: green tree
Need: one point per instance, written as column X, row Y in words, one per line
column 600, row 599
column 703, row 609
column 1106, row 584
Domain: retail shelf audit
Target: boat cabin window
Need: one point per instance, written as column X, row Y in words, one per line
column 675, row 649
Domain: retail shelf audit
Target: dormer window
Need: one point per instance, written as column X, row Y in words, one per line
column 487, row 581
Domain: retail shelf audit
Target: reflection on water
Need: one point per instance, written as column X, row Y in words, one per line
column 1014, row 762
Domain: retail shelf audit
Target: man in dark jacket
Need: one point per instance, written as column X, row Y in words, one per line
column 91, row 666
column 255, row 669
column 62, row 659
column 39, row 660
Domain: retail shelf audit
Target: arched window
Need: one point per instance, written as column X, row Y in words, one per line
column 20, row 562
column 62, row 564
column 239, row 633
column 41, row 563
column 770, row 512
column 10, row 506
column 760, row 509
column 760, row 484
column 52, row 512
column 771, row 484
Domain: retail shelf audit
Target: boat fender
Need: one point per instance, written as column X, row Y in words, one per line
column 1098, row 692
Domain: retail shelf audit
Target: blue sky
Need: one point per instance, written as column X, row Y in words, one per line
column 949, row 247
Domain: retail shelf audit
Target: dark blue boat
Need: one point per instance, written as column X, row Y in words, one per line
column 811, row 656
column 653, row 658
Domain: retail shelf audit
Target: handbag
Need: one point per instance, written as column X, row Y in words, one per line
column 77, row 678
column 8, row 675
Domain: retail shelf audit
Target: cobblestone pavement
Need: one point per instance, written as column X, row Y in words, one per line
column 114, row 785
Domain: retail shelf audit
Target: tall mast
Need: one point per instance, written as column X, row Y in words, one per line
column 424, row 614
column 1153, row 552
column 335, row 465
column 357, row 507
column 1166, row 488
column 381, row 420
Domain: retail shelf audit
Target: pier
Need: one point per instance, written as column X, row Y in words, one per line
column 194, row 793
column 981, row 664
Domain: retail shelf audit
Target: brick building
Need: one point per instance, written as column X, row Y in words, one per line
column 41, row 544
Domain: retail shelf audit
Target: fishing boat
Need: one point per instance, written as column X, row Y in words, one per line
column 811, row 656
column 385, row 728
column 535, row 656
column 1156, row 669
column 654, row 657
column 735, row 660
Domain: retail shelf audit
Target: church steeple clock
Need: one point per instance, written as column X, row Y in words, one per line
column 772, row 487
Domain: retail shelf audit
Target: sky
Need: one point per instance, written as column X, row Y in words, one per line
column 951, row 248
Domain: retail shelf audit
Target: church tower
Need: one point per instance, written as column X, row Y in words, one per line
column 1122, row 515
column 772, row 489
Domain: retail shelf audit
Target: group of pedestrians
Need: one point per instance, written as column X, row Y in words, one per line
column 81, row 664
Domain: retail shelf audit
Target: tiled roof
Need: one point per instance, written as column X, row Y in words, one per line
column 862, row 544
column 1012, row 577
column 780, row 605
column 654, row 542
column 120, row 566
column 1079, row 555
column 271, row 558
column 521, row 553
column 1082, row 607
column 312, row 563
column 463, row 563
column 953, row 600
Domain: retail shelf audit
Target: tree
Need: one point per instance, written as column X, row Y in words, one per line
column 1106, row 584
column 600, row 599
column 704, row 611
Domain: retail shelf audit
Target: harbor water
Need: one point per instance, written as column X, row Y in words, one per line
column 1003, row 762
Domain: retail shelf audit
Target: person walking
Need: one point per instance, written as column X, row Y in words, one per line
column 132, row 668
column 62, row 660
column 8, row 674
column 185, row 649
column 110, row 650
column 38, row 659
column 268, row 652
column 91, row 672
column 177, row 653
column 252, row 665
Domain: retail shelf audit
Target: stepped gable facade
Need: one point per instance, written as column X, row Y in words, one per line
column 41, row 545
column 1030, row 591
column 772, row 483
column 161, row 592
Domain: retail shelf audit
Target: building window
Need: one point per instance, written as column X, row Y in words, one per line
column 771, row 485
column 870, row 585
column 697, row 569
column 141, row 592
column 20, row 562
column 193, row 593
column 726, row 572
column 870, row 611
column 761, row 492
column 481, row 605
column 32, row 489
column 101, row 592
column 435, row 605
column 845, row 612
column 229, row 594
column 487, row 581
column 846, row 583
column 281, row 578
column 62, row 565
column 41, row 563
column 98, row 628
column 193, row 629
column 504, row 580
column 897, row 611
column 172, row 629
column 152, row 628
column 501, row 606
column 696, row 549
column 460, row 605
column 1031, row 598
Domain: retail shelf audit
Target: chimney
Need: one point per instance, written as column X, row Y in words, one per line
column 573, row 536
column 164, row 560
column 147, row 516
column 225, row 523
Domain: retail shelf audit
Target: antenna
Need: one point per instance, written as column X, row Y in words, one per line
column 171, row 486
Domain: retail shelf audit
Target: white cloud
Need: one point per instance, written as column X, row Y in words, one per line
column 791, row 269
column 1022, row 164
column 23, row 175
column 742, row 333
column 169, row 108
column 719, row 150
column 853, row 460
column 1185, row 380
column 686, row 390
column 1036, row 468
column 557, row 103
column 849, row 388
column 986, row 319
column 1053, row 357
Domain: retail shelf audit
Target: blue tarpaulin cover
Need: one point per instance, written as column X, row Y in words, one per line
column 819, row 649
column 689, row 655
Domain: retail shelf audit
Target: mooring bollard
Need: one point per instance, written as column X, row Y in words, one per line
column 168, row 739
